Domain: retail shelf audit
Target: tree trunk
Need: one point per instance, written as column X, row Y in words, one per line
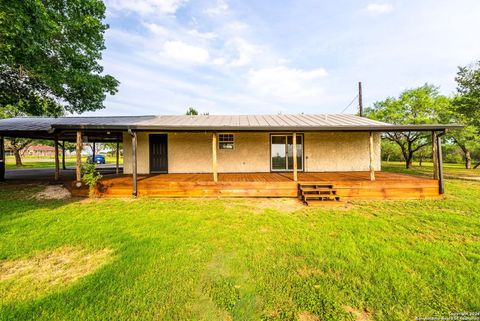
column 409, row 160
column 18, row 158
column 420, row 161
column 468, row 160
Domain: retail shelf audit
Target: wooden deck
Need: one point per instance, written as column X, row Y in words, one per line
column 349, row 185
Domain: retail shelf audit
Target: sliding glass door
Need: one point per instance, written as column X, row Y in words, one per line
column 282, row 152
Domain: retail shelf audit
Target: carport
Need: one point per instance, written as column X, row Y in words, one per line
column 46, row 128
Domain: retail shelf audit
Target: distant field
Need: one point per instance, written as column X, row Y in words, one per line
column 449, row 169
column 44, row 162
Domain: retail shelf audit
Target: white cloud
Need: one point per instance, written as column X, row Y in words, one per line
column 286, row 83
column 245, row 52
column 157, row 29
column 220, row 8
column 182, row 51
column 147, row 7
column 379, row 8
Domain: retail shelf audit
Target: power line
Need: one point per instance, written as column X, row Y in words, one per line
column 353, row 100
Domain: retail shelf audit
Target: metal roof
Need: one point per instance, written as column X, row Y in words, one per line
column 280, row 122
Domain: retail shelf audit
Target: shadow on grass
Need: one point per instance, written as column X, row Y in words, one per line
column 19, row 198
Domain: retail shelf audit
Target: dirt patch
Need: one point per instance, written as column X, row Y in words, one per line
column 48, row 271
column 53, row 192
column 307, row 316
column 308, row 271
column 360, row 315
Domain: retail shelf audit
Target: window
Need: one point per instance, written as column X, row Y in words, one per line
column 225, row 141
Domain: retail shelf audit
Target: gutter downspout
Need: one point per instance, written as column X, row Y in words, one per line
column 134, row 161
column 441, row 182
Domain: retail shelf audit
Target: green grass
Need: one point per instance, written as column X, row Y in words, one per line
column 48, row 162
column 187, row 259
column 449, row 169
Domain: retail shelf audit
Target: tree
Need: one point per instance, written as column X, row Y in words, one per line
column 414, row 106
column 49, row 56
column 468, row 89
column 18, row 145
column 191, row 111
column 466, row 110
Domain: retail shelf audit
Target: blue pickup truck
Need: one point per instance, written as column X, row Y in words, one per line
column 99, row 159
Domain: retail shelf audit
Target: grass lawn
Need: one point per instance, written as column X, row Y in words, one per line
column 44, row 162
column 181, row 259
column 449, row 169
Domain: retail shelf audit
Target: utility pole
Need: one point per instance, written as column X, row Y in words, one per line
column 360, row 102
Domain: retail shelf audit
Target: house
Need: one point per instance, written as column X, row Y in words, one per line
column 39, row 150
column 211, row 153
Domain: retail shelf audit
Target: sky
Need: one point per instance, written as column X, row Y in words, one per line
column 271, row 56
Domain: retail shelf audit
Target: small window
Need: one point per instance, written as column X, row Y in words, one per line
column 225, row 141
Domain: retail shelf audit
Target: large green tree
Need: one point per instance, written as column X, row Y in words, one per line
column 49, row 56
column 414, row 106
column 466, row 110
column 467, row 101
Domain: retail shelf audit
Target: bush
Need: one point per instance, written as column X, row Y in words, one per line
column 90, row 176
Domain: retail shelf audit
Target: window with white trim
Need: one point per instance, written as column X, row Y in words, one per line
column 226, row 141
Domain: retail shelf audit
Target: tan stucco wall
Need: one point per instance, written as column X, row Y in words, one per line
column 192, row 153
column 328, row 152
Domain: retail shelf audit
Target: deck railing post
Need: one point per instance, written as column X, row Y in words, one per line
column 214, row 157
column 57, row 160
column 79, row 158
column 294, row 155
column 134, row 163
column 371, row 153
column 441, row 183
column 435, row 155
column 2, row 158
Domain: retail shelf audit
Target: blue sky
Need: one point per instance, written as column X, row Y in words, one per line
column 267, row 56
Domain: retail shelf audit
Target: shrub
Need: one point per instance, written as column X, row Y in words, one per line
column 90, row 176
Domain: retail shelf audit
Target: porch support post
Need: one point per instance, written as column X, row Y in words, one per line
column 118, row 156
column 294, row 155
column 57, row 160
column 63, row 155
column 134, row 163
column 214, row 157
column 434, row 155
column 2, row 158
column 79, row 158
column 441, row 183
column 372, row 170
column 93, row 152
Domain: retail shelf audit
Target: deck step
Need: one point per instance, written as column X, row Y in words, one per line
column 313, row 194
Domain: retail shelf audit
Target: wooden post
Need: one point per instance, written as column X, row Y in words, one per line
column 2, row 158
column 360, row 99
column 294, row 155
column 441, row 183
column 93, row 153
column 79, row 158
column 118, row 157
column 134, row 163
column 371, row 150
column 214, row 157
column 434, row 155
column 57, row 161
column 63, row 155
